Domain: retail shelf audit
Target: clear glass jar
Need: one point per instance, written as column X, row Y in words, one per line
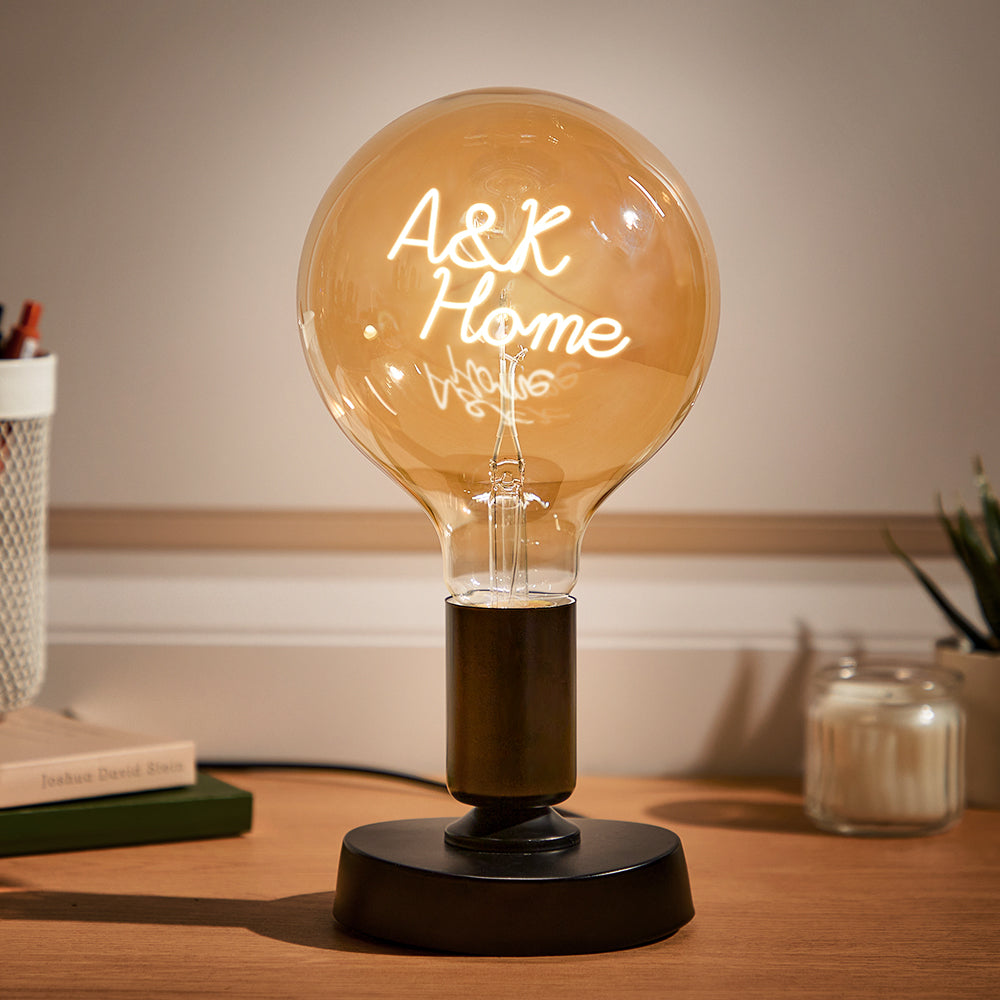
column 885, row 748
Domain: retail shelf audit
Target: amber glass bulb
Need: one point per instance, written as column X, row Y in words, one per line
column 508, row 300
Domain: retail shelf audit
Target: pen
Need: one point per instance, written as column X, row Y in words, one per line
column 24, row 340
column 4, row 424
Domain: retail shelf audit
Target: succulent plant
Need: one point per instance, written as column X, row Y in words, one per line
column 979, row 553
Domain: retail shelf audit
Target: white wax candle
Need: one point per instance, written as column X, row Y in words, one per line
column 884, row 750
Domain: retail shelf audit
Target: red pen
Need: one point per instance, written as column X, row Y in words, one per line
column 24, row 340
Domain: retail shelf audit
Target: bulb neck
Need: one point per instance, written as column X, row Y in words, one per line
column 549, row 569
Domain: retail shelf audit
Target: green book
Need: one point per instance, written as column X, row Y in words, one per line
column 209, row 808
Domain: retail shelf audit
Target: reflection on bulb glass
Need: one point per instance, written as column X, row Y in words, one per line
column 508, row 300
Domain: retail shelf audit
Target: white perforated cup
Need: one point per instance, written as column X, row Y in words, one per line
column 27, row 402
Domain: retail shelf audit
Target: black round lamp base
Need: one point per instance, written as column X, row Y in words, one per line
column 624, row 885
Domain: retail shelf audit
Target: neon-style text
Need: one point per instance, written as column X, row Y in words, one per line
column 601, row 337
column 466, row 248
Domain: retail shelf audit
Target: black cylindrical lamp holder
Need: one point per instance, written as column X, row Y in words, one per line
column 511, row 705
column 513, row 876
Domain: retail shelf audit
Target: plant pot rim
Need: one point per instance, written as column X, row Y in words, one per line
column 955, row 647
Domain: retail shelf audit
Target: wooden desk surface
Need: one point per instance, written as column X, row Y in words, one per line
column 781, row 909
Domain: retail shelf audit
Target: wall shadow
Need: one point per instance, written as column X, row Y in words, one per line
column 741, row 744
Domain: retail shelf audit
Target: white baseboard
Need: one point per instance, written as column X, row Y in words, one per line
column 685, row 665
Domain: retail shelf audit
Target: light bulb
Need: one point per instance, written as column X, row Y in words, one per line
column 508, row 300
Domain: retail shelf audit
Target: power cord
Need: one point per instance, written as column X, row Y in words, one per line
column 372, row 772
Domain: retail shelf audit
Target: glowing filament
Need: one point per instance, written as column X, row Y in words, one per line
column 508, row 535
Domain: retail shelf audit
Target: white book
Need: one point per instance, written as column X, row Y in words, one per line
column 49, row 757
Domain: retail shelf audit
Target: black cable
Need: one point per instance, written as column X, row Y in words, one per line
column 375, row 772
column 372, row 772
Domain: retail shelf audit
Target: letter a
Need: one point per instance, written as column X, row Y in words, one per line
column 432, row 198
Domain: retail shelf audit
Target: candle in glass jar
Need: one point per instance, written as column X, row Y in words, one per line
column 884, row 749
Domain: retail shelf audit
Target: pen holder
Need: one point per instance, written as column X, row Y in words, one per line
column 27, row 401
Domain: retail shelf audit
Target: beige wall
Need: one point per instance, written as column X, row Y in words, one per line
column 161, row 162
column 159, row 165
column 685, row 664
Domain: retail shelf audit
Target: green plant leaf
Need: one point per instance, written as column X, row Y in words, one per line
column 978, row 638
column 982, row 568
column 991, row 508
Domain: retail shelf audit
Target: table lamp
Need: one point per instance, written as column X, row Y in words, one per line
column 508, row 300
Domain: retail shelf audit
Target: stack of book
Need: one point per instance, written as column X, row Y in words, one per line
column 69, row 785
